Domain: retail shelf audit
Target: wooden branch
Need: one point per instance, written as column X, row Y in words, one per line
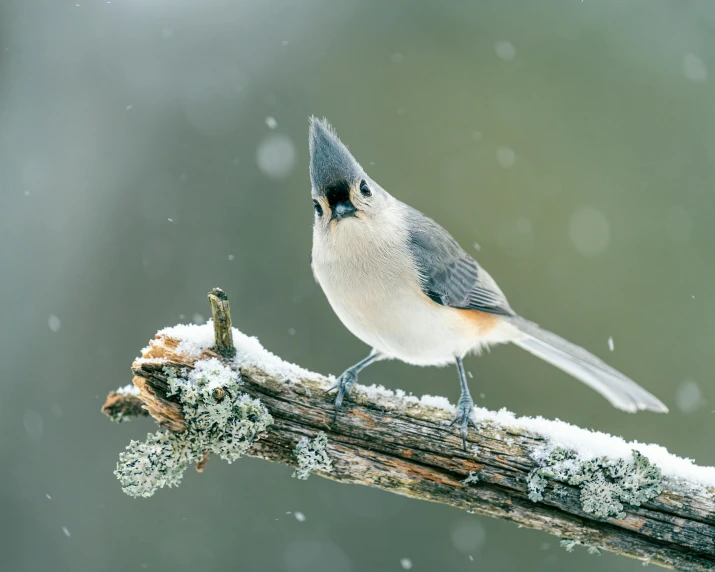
column 406, row 448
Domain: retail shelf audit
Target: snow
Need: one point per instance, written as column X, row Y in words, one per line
column 592, row 444
column 694, row 68
column 611, row 345
column 378, row 392
column 688, row 397
column 194, row 339
column 299, row 516
column 276, row 156
column 129, row 389
column 587, row 444
column 505, row 50
column 54, row 323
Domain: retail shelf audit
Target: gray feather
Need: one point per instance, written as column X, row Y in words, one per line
column 449, row 276
column 621, row 391
column 330, row 160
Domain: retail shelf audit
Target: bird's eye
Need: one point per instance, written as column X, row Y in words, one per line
column 364, row 189
column 318, row 208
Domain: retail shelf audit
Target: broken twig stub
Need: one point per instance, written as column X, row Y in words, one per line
column 221, row 314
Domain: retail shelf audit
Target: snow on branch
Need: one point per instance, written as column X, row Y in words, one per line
column 215, row 390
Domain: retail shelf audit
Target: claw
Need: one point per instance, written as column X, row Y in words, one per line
column 344, row 385
column 465, row 408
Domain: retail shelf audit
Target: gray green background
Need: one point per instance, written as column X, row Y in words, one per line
column 573, row 141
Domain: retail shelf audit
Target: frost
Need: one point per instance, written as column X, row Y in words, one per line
column 472, row 478
column 220, row 419
column 312, row 456
column 605, row 484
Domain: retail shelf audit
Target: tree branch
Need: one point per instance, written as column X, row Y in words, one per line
column 403, row 446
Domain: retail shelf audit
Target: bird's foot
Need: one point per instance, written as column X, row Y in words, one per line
column 344, row 385
column 465, row 417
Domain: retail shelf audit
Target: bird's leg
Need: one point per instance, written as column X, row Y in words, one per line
column 348, row 378
column 465, row 406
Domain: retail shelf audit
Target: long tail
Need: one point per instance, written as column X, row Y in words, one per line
column 621, row 391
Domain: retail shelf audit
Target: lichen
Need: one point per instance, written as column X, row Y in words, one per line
column 536, row 484
column 159, row 461
column 472, row 478
column 220, row 419
column 605, row 484
column 569, row 544
column 312, row 455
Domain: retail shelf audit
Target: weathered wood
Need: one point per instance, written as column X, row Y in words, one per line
column 221, row 315
column 120, row 406
column 409, row 450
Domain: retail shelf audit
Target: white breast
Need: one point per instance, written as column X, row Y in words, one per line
column 370, row 281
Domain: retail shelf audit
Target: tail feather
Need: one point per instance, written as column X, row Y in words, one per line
column 621, row 391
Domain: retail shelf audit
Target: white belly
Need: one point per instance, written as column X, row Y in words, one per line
column 375, row 292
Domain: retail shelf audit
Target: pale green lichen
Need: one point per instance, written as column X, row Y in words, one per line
column 536, row 484
column 159, row 461
column 472, row 479
column 220, row 419
column 605, row 484
column 312, row 455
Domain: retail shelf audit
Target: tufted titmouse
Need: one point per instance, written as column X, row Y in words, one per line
column 400, row 282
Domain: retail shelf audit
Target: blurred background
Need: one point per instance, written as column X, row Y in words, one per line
column 153, row 149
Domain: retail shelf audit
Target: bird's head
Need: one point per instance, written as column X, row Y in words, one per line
column 342, row 192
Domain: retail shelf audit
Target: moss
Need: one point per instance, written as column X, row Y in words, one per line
column 605, row 484
column 312, row 455
column 220, row 419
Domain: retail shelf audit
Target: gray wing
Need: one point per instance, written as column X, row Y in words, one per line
column 449, row 276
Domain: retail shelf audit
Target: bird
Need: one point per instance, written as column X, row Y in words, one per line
column 402, row 284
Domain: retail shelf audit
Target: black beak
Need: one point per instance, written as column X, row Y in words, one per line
column 338, row 195
column 343, row 210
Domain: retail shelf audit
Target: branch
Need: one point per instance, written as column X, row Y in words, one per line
column 648, row 505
